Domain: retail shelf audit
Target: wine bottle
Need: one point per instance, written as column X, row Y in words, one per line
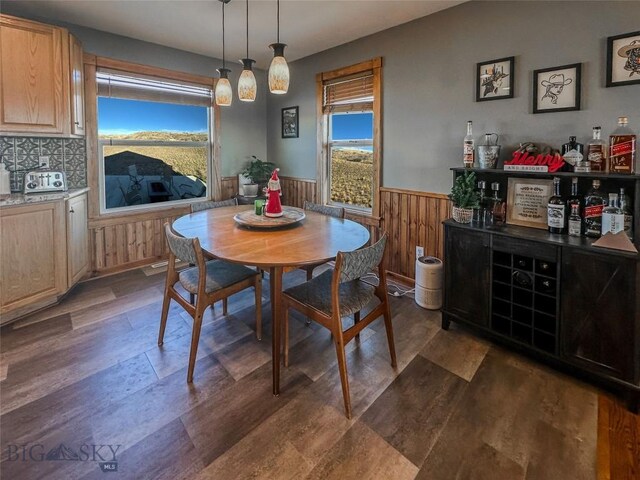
column 556, row 209
column 468, row 155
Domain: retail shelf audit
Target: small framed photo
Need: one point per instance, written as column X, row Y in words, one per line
column 495, row 79
column 290, row 122
column 557, row 89
column 623, row 59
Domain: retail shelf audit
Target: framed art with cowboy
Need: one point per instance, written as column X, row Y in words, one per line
column 557, row 89
column 623, row 59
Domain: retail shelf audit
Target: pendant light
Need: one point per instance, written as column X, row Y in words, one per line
column 247, row 87
column 224, row 94
column 279, row 70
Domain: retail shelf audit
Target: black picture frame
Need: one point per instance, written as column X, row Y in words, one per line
column 620, row 41
column 548, row 75
column 290, row 122
column 480, row 97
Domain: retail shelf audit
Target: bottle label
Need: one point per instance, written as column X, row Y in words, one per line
column 612, row 222
column 468, row 156
column 555, row 216
column 622, row 153
column 593, row 211
column 572, row 157
column 575, row 228
column 596, row 158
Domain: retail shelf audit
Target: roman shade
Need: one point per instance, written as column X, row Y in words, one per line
column 352, row 93
column 113, row 83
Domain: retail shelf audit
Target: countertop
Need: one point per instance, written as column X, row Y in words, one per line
column 15, row 199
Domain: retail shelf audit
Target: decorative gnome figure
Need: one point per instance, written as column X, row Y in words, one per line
column 273, row 208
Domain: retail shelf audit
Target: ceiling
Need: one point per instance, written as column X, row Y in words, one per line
column 307, row 26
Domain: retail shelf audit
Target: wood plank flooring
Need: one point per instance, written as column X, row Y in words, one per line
column 87, row 374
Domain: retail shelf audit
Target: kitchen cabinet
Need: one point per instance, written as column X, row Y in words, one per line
column 466, row 276
column 77, row 238
column 41, row 73
column 44, row 251
column 33, row 256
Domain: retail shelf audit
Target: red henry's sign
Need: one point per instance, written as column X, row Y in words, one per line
column 554, row 163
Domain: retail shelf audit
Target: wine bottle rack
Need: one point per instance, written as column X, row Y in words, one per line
column 524, row 303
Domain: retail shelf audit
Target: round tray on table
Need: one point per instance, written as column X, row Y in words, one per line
column 290, row 216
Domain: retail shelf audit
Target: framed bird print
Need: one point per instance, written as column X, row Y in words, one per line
column 495, row 79
column 623, row 59
column 557, row 89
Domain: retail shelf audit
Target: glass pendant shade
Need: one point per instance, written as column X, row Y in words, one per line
column 247, row 87
column 224, row 93
column 278, row 71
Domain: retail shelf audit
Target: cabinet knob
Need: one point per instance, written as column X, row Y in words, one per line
column 71, row 210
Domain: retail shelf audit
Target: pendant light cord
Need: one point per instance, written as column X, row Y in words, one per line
column 278, row 21
column 247, row 29
column 223, row 59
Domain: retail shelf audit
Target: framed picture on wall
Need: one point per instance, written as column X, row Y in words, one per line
column 495, row 79
column 557, row 89
column 623, row 59
column 290, row 122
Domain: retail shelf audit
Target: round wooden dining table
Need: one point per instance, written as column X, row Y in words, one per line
column 316, row 239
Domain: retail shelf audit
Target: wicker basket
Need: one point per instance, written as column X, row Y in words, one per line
column 462, row 215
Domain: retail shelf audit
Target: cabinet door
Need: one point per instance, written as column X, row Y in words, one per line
column 33, row 255
column 77, row 238
column 467, row 257
column 77, row 86
column 600, row 313
column 34, row 75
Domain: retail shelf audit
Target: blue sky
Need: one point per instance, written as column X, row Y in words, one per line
column 121, row 116
column 352, row 126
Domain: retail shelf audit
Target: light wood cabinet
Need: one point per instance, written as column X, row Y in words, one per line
column 33, row 255
column 77, row 86
column 77, row 238
column 41, row 73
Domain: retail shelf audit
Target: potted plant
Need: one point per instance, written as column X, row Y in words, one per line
column 464, row 197
column 258, row 172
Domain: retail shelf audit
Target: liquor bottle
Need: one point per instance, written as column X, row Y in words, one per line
column 612, row 216
column 497, row 205
column 597, row 152
column 622, row 148
column 556, row 209
column 594, row 202
column 574, row 198
column 628, row 214
column 575, row 222
column 479, row 213
column 573, row 152
column 469, row 150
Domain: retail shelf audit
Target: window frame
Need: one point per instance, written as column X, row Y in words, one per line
column 323, row 184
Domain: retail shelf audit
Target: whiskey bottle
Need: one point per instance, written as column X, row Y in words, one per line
column 575, row 222
column 575, row 198
column 468, row 155
column 628, row 214
column 573, row 152
column 594, row 203
column 498, row 212
column 612, row 216
column 556, row 209
column 597, row 152
column 622, row 148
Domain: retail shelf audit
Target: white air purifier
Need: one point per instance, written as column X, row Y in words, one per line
column 429, row 275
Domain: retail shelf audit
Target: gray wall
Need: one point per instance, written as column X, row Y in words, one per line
column 428, row 84
column 243, row 124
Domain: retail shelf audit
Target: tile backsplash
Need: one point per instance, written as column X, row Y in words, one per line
column 20, row 154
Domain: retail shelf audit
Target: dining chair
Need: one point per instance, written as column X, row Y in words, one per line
column 210, row 281
column 198, row 207
column 338, row 293
column 329, row 210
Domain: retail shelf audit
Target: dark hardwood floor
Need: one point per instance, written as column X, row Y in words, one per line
column 86, row 379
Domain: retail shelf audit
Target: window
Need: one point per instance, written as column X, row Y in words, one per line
column 349, row 162
column 154, row 141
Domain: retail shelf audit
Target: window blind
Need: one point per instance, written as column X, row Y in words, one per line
column 349, row 93
column 117, row 84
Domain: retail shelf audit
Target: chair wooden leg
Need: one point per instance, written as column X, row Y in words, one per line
column 224, row 306
column 285, row 321
column 344, row 378
column 389, row 328
column 258, row 289
column 163, row 317
column 195, row 338
column 309, row 273
column 356, row 319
